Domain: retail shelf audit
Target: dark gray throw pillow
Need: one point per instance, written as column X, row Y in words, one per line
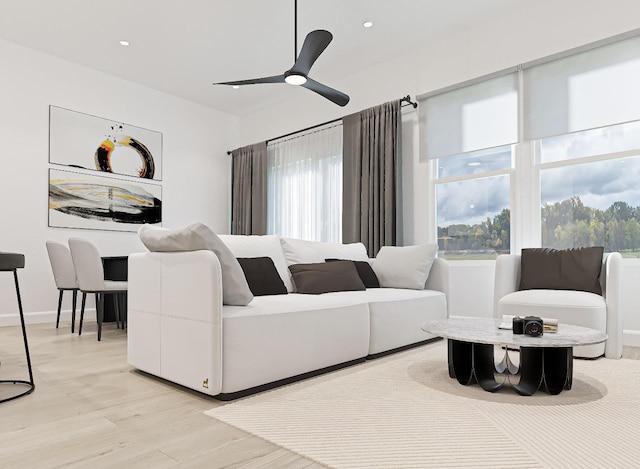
column 365, row 271
column 262, row 276
column 570, row 269
column 325, row 277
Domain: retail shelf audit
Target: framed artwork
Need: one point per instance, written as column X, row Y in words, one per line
column 93, row 143
column 90, row 201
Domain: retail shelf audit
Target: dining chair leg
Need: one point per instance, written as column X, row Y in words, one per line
column 59, row 308
column 114, row 297
column 100, row 312
column 73, row 310
column 84, row 300
column 123, row 302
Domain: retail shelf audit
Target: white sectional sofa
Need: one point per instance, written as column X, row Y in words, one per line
column 180, row 330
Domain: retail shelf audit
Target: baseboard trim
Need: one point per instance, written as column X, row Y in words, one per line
column 631, row 338
column 40, row 317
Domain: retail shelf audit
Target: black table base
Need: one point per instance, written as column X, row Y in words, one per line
column 547, row 368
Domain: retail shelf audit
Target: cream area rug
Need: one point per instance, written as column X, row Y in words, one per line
column 404, row 411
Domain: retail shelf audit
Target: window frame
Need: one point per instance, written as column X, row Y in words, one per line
column 435, row 181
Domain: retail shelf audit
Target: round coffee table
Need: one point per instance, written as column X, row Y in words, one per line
column 546, row 362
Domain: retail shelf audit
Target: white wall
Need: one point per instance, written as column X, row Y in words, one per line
column 195, row 166
column 543, row 28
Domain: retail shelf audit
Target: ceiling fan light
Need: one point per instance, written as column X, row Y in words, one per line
column 295, row 79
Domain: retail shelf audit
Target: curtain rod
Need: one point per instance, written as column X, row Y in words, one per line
column 406, row 99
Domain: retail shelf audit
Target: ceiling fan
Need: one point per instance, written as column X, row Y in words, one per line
column 314, row 44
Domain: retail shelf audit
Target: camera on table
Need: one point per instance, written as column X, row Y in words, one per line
column 529, row 325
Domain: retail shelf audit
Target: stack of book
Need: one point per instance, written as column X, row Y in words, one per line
column 549, row 325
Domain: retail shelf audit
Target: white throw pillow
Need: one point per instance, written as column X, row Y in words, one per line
column 196, row 237
column 298, row 251
column 404, row 266
column 260, row 246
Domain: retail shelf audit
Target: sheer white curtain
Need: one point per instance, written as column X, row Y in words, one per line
column 304, row 185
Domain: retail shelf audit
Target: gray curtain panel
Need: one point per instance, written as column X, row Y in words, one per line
column 249, row 190
column 370, row 162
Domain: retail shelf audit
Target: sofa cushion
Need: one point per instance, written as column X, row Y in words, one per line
column 280, row 336
column 260, row 246
column 324, row 277
column 262, row 276
column 404, row 266
column 570, row 269
column 567, row 306
column 196, row 237
column 365, row 271
column 394, row 315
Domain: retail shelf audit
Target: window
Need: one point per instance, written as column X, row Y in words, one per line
column 473, row 193
column 304, row 185
column 554, row 142
column 468, row 131
column 590, row 189
column 582, row 113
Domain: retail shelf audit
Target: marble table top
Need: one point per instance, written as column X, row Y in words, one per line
column 485, row 331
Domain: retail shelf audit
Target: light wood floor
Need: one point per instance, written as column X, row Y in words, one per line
column 90, row 409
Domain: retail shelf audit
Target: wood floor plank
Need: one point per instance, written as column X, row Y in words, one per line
column 91, row 409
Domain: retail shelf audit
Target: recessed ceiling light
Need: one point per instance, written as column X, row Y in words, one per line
column 235, row 87
column 367, row 24
column 124, row 43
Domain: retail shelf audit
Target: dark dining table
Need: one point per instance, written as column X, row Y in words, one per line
column 115, row 268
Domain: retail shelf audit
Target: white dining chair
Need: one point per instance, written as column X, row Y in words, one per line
column 90, row 275
column 64, row 275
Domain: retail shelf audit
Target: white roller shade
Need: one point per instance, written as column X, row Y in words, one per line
column 475, row 117
column 586, row 90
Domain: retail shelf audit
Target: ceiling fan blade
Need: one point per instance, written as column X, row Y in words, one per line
column 255, row 81
column 315, row 42
column 335, row 96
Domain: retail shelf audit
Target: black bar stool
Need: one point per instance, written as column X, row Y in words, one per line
column 11, row 262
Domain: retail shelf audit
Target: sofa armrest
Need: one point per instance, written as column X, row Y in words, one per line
column 439, row 277
column 613, row 270
column 507, row 278
column 175, row 317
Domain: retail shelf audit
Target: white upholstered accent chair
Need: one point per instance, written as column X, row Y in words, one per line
column 570, row 307
column 64, row 275
column 90, row 275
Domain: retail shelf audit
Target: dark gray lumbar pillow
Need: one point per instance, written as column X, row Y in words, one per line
column 196, row 237
column 325, row 277
column 365, row 271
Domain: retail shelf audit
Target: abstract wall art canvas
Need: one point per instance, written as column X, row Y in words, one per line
column 79, row 200
column 93, row 143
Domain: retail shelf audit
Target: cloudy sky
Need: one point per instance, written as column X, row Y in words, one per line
column 598, row 184
column 472, row 201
